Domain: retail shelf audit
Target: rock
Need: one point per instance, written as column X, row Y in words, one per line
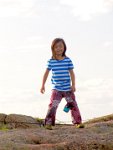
column 2, row 119
column 20, row 121
column 95, row 136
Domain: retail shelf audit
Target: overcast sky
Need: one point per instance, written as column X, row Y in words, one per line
column 27, row 28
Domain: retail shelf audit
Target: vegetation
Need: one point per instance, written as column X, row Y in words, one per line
column 4, row 127
column 100, row 119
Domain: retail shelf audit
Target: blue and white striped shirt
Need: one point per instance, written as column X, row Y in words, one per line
column 60, row 73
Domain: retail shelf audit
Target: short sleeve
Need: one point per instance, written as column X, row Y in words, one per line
column 70, row 64
column 48, row 65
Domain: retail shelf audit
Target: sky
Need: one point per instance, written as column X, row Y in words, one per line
column 27, row 29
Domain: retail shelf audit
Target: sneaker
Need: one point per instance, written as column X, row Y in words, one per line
column 79, row 125
column 49, row 127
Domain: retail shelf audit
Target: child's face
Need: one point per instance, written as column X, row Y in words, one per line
column 59, row 48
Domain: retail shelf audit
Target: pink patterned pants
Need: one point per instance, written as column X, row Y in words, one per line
column 55, row 99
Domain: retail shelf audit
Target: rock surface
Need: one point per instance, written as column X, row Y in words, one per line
column 13, row 121
column 2, row 119
column 95, row 136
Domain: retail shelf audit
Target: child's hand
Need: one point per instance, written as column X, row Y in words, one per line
column 42, row 90
column 73, row 88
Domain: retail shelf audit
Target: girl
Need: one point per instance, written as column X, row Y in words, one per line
column 63, row 81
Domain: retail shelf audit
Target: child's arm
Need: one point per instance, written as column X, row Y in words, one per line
column 42, row 90
column 72, row 79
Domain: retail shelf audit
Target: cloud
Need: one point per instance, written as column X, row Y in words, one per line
column 95, row 91
column 95, row 97
column 25, row 43
column 85, row 10
column 108, row 43
column 16, row 8
column 27, row 8
column 33, row 42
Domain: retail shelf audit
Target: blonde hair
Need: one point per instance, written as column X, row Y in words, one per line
column 54, row 42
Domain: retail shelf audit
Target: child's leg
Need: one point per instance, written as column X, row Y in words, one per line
column 54, row 102
column 75, row 113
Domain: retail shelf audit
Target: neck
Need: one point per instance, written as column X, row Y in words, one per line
column 59, row 57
